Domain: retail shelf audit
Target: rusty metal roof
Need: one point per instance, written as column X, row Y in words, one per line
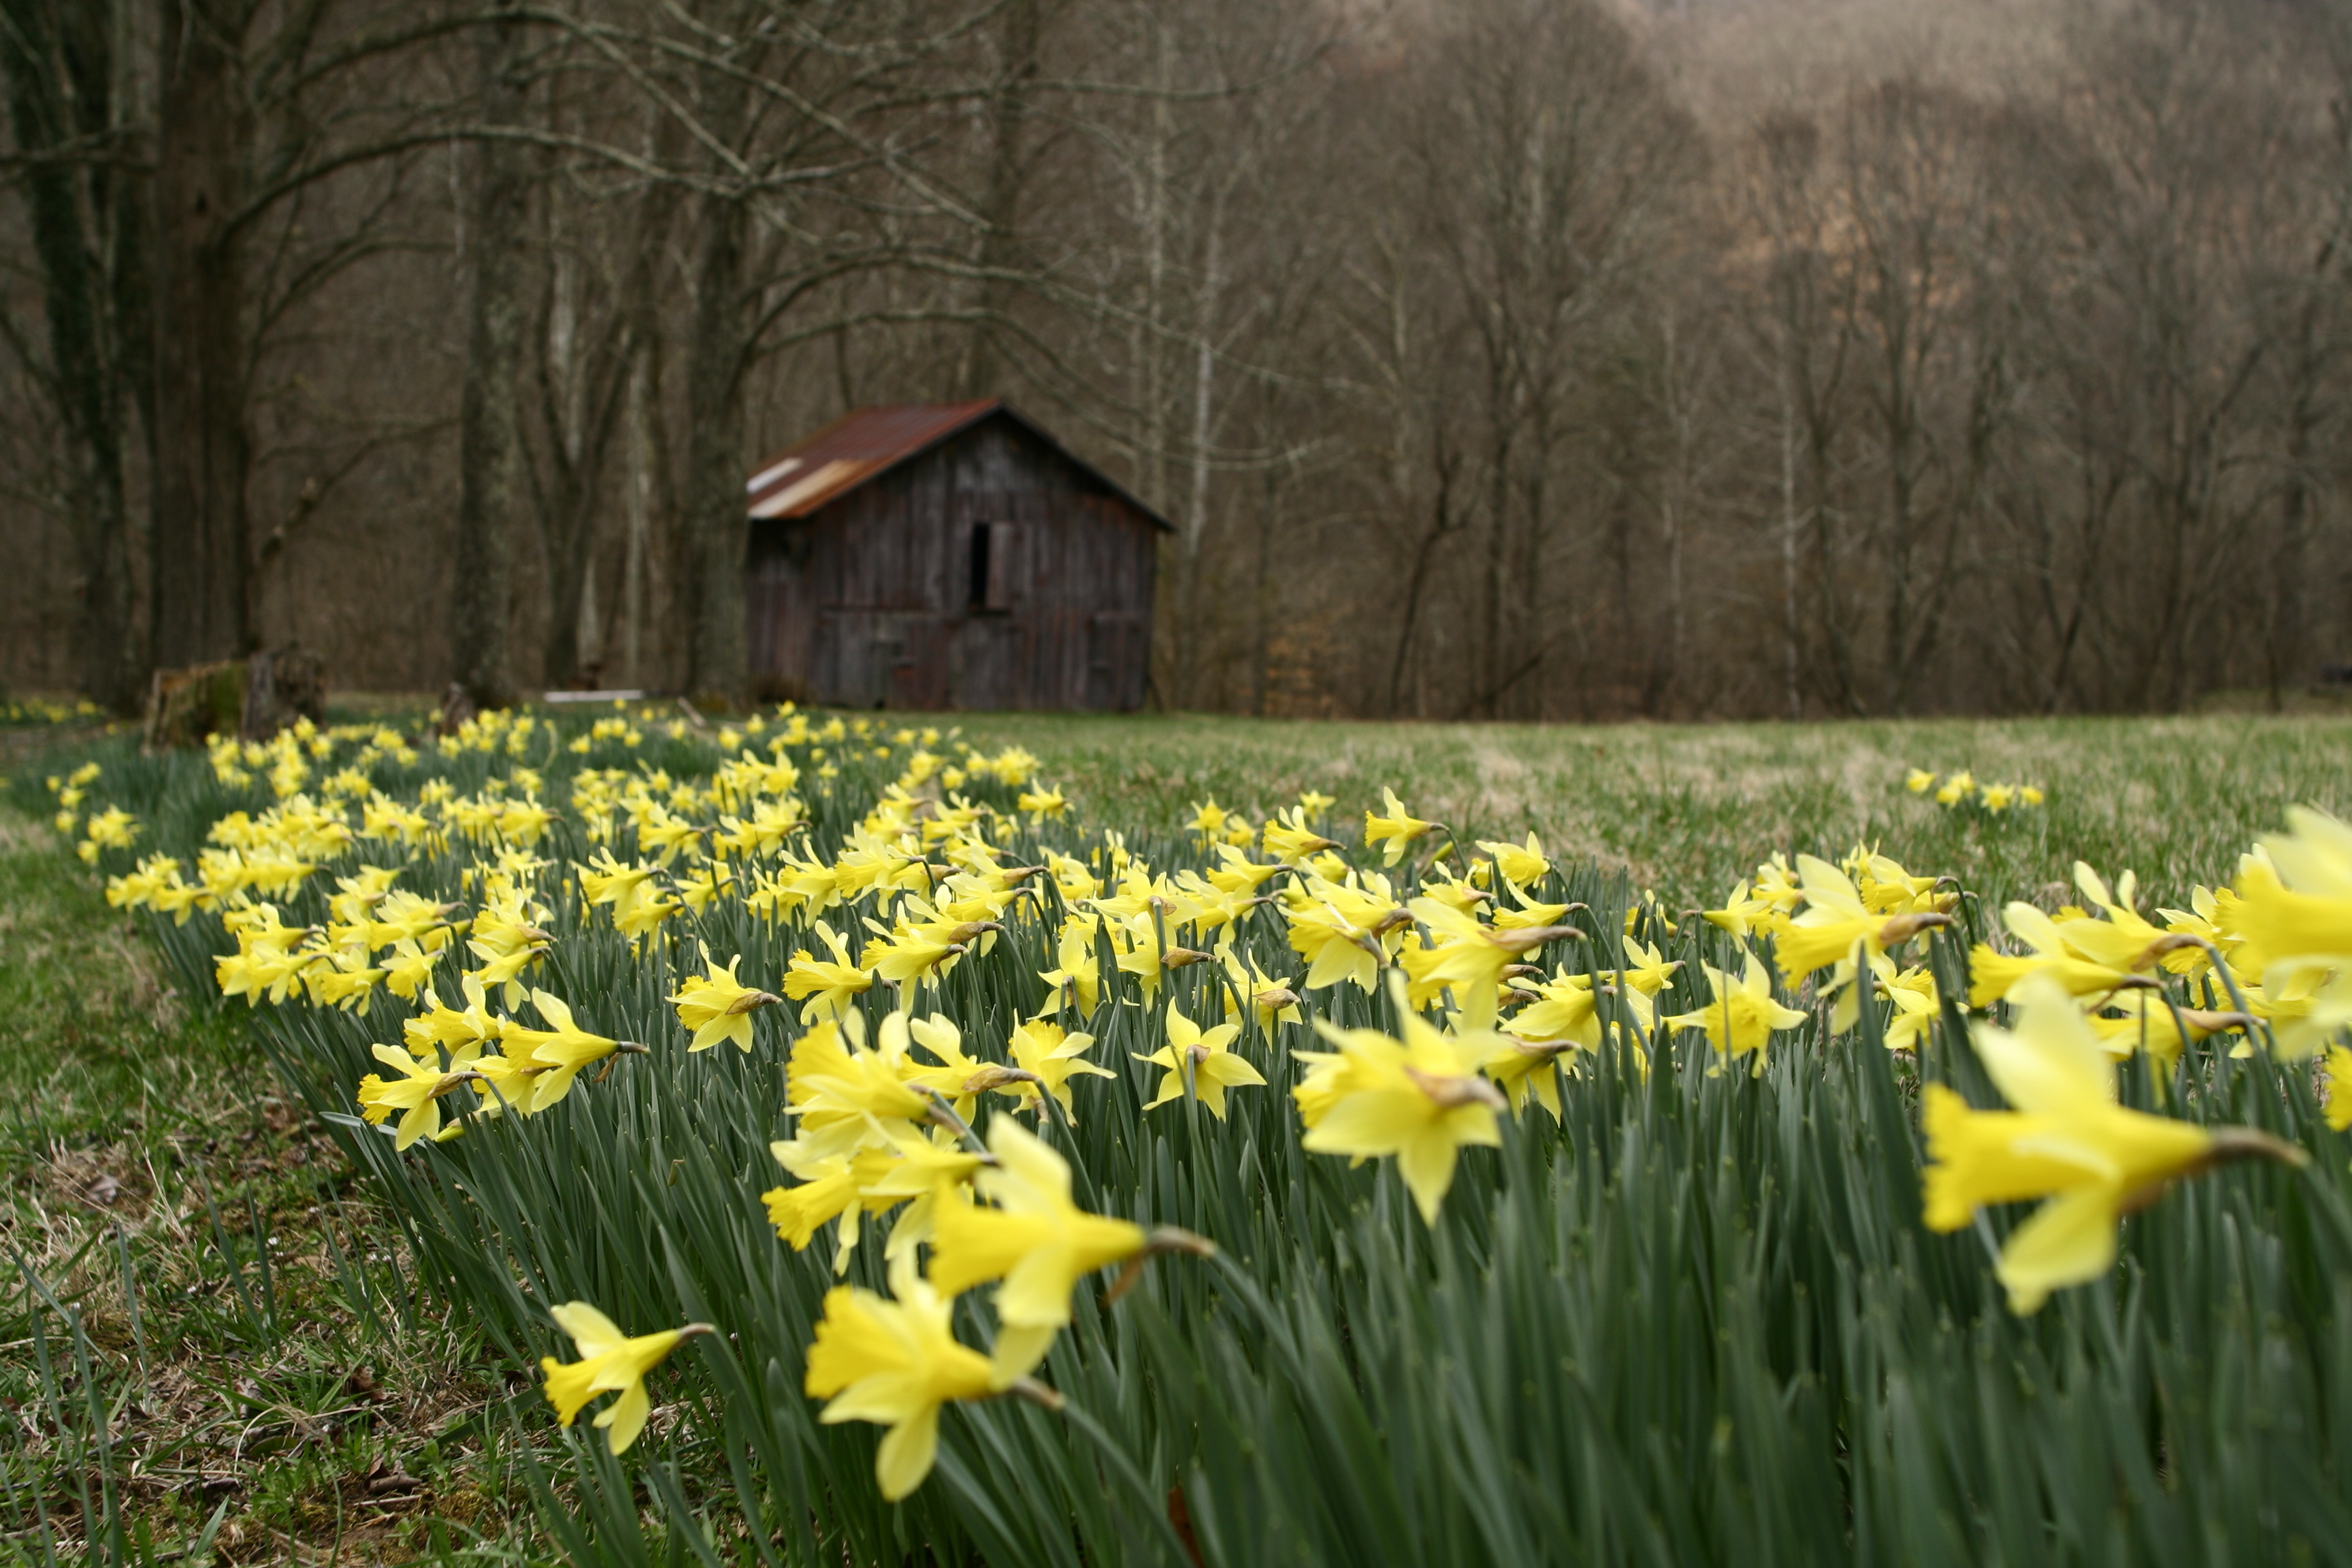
column 804, row 477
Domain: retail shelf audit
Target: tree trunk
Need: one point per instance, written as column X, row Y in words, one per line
column 489, row 442
column 57, row 71
column 1008, row 119
column 717, row 529
column 203, row 447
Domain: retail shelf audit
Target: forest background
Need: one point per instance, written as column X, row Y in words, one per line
column 1517, row 359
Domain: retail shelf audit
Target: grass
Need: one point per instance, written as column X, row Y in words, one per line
column 1696, row 1318
column 207, row 1346
column 1689, row 809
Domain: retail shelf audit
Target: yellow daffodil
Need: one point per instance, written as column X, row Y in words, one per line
column 1995, row 977
column 717, row 1006
column 416, row 1092
column 1421, row 1099
column 1270, row 1001
column 2064, row 1139
column 610, row 1362
column 1743, row 1014
column 1470, row 957
column 2339, row 1088
column 1743, row 913
column 1835, row 925
column 1028, row 1234
column 825, row 988
column 1522, row 865
column 561, row 1051
column 1047, row 1058
column 1290, row 841
column 1394, row 831
column 1205, row 1057
column 894, row 1361
column 1916, row 1005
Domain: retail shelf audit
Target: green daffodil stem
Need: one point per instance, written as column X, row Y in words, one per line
column 944, row 1115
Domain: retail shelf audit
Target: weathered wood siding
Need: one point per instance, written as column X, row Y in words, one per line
column 870, row 603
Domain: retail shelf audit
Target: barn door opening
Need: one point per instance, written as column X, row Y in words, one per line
column 992, row 571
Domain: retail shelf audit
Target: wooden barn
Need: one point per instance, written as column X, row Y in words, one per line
column 948, row 556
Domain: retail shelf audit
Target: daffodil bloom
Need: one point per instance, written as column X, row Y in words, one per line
column 1521, row 864
column 2064, row 1139
column 1237, row 874
column 1421, row 1099
column 898, row 1165
column 2339, row 1088
column 1918, row 781
column 1209, row 818
column 844, row 1095
column 417, row 1092
column 562, row 1051
column 1033, row 1238
column 1077, row 982
column 1956, row 788
column 2126, row 940
column 827, row 1190
column 1526, row 1070
column 1270, row 1001
column 1471, row 957
column 1565, row 1009
column 825, row 988
column 1290, row 841
column 2294, row 915
column 1041, row 803
column 908, row 956
column 2149, row 1023
column 1835, row 925
column 507, row 939
column 1743, row 1014
column 717, row 1006
column 894, row 1362
column 1343, row 930
column 1046, row 1058
column 1995, row 977
column 1743, row 913
column 610, row 1362
column 457, row 1032
column 1394, row 831
column 1650, row 972
column 1207, row 1054
column 1917, row 1004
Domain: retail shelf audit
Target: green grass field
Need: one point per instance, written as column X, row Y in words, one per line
column 1689, row 809
column 262, row 1377
column 261, row 1380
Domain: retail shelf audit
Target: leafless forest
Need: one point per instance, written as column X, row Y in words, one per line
column 1514, row 358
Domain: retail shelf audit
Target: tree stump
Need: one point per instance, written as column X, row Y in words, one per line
column 252, row 698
